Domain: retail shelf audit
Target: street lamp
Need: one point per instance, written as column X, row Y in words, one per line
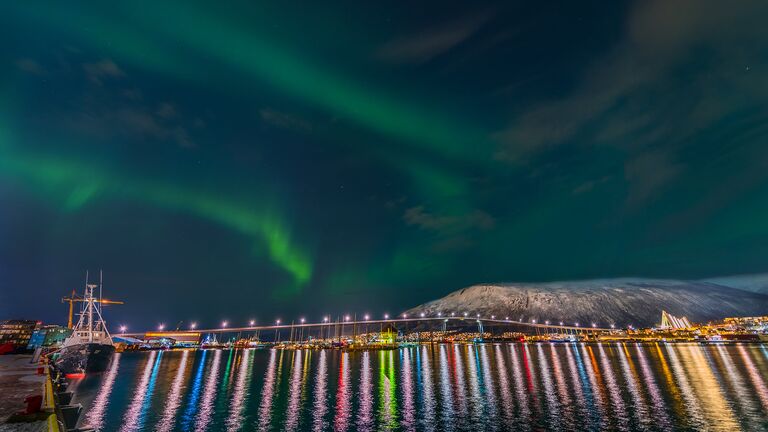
column 325, row 319
column 224, row 324
column 253, row 322
column 346, row 318
column 422, row 314
column 366, row 317
column 278, row 322
column 161, row 327
column 193, row 325
column 493, row 316
column 405, row 315
column 302, row 320
column 465, row 314
column 123, row 328
column 533, row 321
column 546, row 322
column 386, row 316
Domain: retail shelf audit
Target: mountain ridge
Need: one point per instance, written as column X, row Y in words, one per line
column 620, row 301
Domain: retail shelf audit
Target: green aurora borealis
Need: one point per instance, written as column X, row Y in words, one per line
column 258, row 159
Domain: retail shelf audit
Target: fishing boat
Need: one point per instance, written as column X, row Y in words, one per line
column 90, row 347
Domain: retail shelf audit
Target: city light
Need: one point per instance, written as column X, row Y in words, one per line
column 386, row 316
column 493, row 316
column 366, row 317
column 302, row 320
column 577, row 324
column 278, row 322
column 346, row 318
column 325, row 319
column 253, row 322
column 453, row 313
column 594, row 325
column 422, row 314
column 161, row 327
column 224, row 324
column 193, row 325
column 533, row 321
column 561, row 323
column 123, row 328
column 507, row 318
column 405, row 315
column 546, row 322
column 613, row 326
column 465, row 314
column 439, row 314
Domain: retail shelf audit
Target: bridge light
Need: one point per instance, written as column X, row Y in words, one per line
column 278, row 322
column 123, row 328
column 161, row 327
column 367, row 317
column 224, row 324
column 252, row 323
column 346, row 318
column 193, row 325
column 302, row 320
column 325, row 319
column 386, row 316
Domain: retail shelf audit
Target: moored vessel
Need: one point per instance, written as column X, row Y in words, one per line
column 90, row 347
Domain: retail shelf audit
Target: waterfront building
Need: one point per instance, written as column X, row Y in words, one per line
column 48, row 336
column 15, row 334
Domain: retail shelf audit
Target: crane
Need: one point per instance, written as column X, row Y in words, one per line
column 73, row 298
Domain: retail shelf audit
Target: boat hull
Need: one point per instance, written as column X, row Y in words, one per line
column 84, row 358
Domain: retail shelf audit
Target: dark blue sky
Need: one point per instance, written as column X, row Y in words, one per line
column 302, row 158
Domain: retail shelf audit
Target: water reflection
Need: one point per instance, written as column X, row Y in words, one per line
column 206, row 404
column 173, row 400
column 343, row 392
column 439, row 387
column 236, row 415
column 95, row 417
column 268, row 391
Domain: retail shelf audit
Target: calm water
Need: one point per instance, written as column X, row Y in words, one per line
column 438, row 388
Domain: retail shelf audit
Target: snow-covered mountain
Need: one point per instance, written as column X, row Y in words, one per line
column 637, row 302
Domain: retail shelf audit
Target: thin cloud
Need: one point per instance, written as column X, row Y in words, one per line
column 430, row 43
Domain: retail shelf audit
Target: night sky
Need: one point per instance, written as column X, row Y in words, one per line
column 299, row 158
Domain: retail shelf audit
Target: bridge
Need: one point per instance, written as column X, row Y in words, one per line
column 347, row 323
